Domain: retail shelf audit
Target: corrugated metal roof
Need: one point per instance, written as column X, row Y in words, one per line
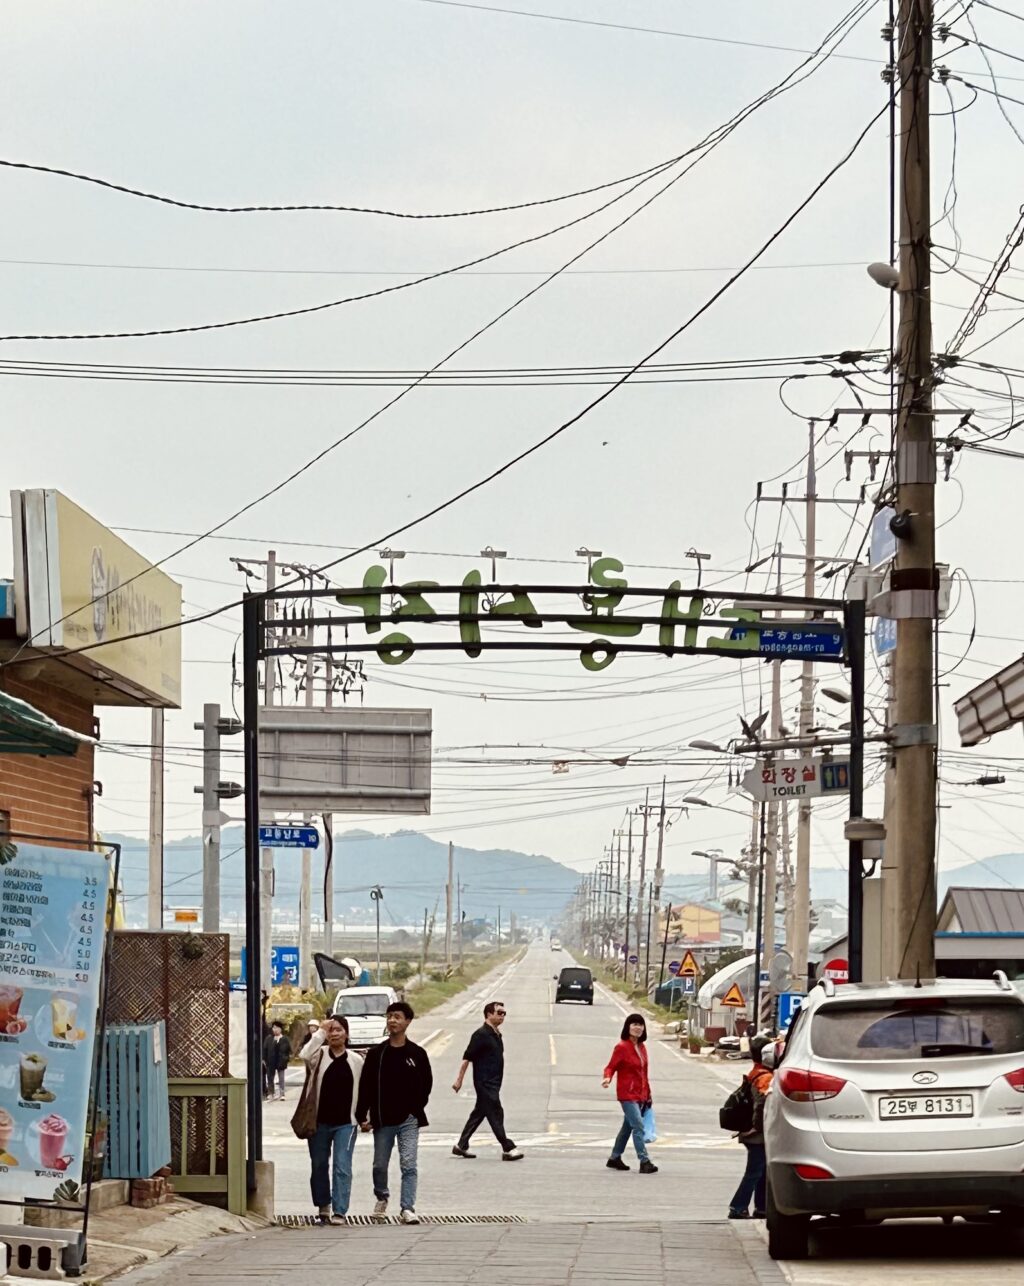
column 987, row 910
column 24, row 730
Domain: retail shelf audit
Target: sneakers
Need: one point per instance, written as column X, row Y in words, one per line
column 616, row 1163
column 738, row 1214
column 513, row 1154
column 380, row 1210
column 458, row 1151
column 648, row 1167
column 409, row 1216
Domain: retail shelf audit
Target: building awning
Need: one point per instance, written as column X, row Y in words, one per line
column 24, row 730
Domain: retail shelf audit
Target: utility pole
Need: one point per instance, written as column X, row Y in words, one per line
column 914, row 579
column 772, row 860
column 448, row 909
column 306, row 872
column 377, row 895
column 267, row 854
column 659, row 874
column 801, row 902
column 155, row 896
column 329, row 834
column 460, row 918
column 618, row 882
column 752, row 878
column 643, row 876
column 213, row 790
column 423, row 949
column 629, row 890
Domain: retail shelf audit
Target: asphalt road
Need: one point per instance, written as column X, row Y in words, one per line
column 555, row 1110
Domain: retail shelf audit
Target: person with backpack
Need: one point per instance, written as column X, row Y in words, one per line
column 628, row 1064
column 743, row 1111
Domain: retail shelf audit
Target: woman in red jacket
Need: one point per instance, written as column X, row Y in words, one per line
column 628, row 1064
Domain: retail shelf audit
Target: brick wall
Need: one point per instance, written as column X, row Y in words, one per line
column 52, row 795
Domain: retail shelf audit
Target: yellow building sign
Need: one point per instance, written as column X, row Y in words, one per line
column 78, row 585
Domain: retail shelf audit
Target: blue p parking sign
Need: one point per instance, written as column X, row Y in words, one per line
column 789, row 1004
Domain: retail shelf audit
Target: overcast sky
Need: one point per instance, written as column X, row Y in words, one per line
column 422, row 107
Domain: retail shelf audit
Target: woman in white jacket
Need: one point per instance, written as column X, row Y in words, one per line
column 334, row 1072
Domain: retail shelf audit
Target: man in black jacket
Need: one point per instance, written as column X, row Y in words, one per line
column 393, row 1093
column 277, row 1053
column 486, row 1052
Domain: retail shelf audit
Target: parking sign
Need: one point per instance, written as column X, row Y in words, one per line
column 789, row 1004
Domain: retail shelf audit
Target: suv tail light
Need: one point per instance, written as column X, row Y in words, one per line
column 813, row 1172
column 802, row 1086
column 1016, row 1079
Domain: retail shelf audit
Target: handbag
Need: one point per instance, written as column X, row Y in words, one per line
column 304, row 1116
column 650, row 1126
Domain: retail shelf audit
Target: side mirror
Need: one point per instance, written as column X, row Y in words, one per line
column 770, row 1057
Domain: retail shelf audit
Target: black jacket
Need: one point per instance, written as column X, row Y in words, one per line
column 486, row 1051
column 391, row 1103
column 277, row 1052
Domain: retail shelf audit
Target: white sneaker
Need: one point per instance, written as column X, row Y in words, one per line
column 380, row 1210
column 513, row 1154
column 409, row 1216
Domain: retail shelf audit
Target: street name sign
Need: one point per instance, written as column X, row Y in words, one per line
column 289, row 837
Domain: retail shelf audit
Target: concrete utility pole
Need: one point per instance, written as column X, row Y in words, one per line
column 211, row 819
column 329, row 835
column 642, row 877
column 448, row 908
column 755, row 861
column 801, row 904
column 659, row 874
column 914, row 579
column 629, row 890
column 306, row 873
column 267, row 854
column 155, row 897
column 772, row 857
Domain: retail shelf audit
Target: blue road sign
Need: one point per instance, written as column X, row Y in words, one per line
column 289, row 837
column 284, row 965
column 689, row 987
column 882, row 541
column 798, row 643
column 884, row 635
column 789, row 1003
column 835, row 776
column 673, row 966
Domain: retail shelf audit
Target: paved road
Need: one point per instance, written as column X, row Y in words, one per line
column 555, row 1109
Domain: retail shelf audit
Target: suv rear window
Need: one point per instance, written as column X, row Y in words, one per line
column 933, row 1028
column 576, row 975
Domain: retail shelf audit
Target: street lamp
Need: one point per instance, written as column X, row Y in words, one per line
column 837, row 695
column 713, row 747
column 377, row 894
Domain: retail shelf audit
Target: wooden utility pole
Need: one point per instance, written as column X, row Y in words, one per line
column 914, row 579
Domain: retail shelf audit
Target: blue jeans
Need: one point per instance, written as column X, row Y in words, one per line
column 408, row 1137
column 632, row 1123
column 332, row 1185
column 753, row 1182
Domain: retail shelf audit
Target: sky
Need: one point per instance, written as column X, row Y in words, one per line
column 419, row 106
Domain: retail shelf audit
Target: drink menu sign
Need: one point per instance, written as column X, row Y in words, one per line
column 52, row 926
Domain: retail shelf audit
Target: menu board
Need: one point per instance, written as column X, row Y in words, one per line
column 52, row 926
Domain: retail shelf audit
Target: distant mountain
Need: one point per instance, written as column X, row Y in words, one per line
column 1004, row 871
column 410, row 868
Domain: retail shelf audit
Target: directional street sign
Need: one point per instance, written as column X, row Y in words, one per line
column 733, row 998
column 884, row 636
column 689, row 965
column 673, row 966
column 801, row 778
column 795, row 643
column 284, row 965
column 289, row 837
column 882, row 541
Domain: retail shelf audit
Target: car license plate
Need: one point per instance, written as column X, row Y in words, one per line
column 899, row 1109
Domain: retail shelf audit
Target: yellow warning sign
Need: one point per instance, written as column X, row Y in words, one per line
column 734, row 997
column 689, row 967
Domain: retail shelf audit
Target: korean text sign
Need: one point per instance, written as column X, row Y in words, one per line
column 52, row 926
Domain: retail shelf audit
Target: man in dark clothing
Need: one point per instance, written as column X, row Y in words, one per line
column 486, row 1052
column 393, row 1093
column 277, row 1053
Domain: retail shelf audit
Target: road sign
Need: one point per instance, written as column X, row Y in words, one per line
column 763, row 977
column 802, row 778
column 689, row 965
column 186, row 915
column 884, row 635
column 838, row 970
column 882, row 541
column 673, row 966
column 689, row 985
column 634, row 959
column 789, row 1003
column 798, row 643
column 289, row 837
column 733, row 998
column 284, row 966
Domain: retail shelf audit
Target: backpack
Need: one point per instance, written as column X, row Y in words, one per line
column 737, row 1112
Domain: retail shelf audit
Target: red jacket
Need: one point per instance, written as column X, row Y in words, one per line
column 628, row 1064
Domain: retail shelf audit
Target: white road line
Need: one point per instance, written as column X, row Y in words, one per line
column 554, row 1055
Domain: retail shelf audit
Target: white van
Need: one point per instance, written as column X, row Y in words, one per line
column 364, row 1008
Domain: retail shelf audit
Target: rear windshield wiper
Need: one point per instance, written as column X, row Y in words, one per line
column 940, row 1051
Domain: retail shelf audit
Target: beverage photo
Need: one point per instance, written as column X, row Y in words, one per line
column 10, row 1002
column 32, row 1069
column 53, row 1137
column 64, row 1018
column 6, row 1133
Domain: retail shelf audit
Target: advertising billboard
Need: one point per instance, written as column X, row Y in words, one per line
column 78, row 585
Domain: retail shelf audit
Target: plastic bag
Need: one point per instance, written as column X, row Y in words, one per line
column 650, row 1126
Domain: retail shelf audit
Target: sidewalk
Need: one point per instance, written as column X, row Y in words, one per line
column 460, row 1254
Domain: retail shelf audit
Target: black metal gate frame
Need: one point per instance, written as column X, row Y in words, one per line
column 257, row 647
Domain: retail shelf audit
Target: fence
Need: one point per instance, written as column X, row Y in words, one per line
column 133, row 1096
column 208, row 1138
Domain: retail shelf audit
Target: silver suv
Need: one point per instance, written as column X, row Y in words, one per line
column 897, row 1099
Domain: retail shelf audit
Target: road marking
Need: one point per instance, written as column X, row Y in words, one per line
column 554, row 1055
column 552, row 1127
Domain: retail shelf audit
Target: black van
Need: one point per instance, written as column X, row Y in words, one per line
column 575, row 984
